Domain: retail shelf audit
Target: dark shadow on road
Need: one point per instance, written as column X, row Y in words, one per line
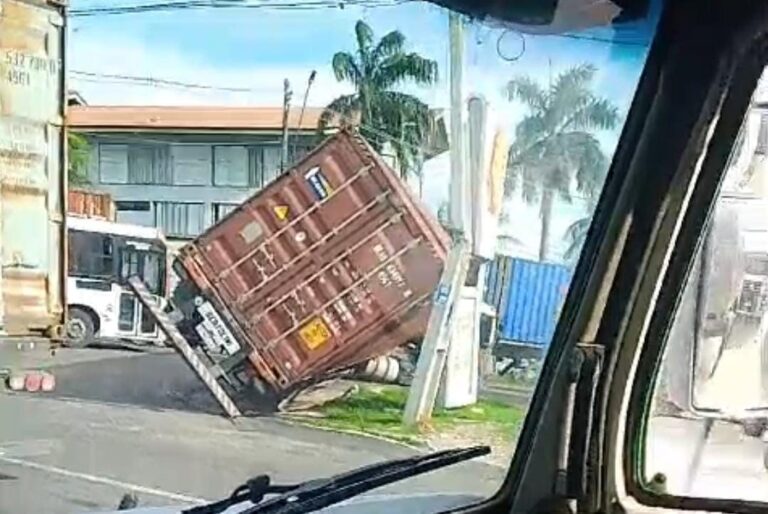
column 158, row 381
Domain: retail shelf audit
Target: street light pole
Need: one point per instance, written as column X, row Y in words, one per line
column 286, row 108
column 310, row 81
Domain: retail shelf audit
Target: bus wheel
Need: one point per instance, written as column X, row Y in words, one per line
column 80, row 328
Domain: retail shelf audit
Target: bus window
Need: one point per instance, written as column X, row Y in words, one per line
column 149, row 265
column 154, row 272
column 90, row 254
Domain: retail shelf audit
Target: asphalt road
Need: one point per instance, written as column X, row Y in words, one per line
column 132, row 422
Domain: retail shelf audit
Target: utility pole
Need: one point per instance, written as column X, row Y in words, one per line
column 304, row 106
column 434, row 348
column 286, row 109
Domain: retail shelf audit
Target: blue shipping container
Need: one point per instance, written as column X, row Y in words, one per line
column 528, row 296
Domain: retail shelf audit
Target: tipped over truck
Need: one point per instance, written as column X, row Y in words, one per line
column 331, row 264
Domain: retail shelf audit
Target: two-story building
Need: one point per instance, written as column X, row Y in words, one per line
column 183, row 168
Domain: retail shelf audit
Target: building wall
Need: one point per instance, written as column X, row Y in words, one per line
column 182, row 183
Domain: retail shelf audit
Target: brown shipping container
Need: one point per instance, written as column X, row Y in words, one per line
column 331, row 264
column 91, row 204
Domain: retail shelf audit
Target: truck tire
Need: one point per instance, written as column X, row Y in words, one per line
column 80, row 328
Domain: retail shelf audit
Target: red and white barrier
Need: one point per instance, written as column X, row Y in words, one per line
column 32, row 381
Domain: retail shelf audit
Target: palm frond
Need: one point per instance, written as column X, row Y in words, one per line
column 345, row 68
column 405, row 67
column 364, row 36
column 527, row 91
column 390, row 45
column 576, row 234
column 577, row 78
column 594, row 114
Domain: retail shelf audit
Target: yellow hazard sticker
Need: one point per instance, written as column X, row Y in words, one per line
column 281, row 211
column 315, row 333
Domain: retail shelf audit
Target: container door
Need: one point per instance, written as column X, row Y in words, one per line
column 32, row 187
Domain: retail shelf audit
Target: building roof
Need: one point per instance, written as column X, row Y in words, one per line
column 109, row 117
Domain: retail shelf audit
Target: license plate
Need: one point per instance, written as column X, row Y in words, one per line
column 217, row 330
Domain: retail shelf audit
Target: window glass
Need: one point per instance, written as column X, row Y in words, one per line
column 269, row 164
column 231, row 166
column 220, row 210
column 301, row 279
column 180, row 219
column 135, row 213
column 706, row 433
column 191, row 165
column 113, row 164
column 149, row 164
column 90, row 255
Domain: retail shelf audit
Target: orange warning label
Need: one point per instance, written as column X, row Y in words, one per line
column 315, row 333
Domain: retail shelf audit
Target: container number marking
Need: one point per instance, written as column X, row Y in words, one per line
column 315, row 333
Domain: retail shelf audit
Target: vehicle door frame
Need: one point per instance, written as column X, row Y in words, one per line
column 566, row 456
column 638, row 361
column 127, row 246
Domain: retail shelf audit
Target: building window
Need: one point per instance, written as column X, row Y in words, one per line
column 134, row 213
column 149, row 164
column 265, row 164
column 192, row 165
column 180, row 219
column 231, row 166
column 113, row 164
column 220, row 210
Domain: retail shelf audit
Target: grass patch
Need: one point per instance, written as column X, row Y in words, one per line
column 378, row 410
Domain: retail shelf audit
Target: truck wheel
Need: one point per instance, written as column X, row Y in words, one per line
column 80, row 328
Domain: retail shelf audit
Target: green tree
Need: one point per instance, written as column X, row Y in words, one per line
column 376, row 69
column 79, row 152
column 555, row 146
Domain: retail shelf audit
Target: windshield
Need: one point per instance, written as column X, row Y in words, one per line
column 334, row 179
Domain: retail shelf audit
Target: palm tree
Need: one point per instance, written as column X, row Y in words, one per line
column 384, row 114
column 555, row 144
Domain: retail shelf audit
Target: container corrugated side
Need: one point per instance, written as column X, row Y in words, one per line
column 32, row 180
column 331, row 264
column 535, row 294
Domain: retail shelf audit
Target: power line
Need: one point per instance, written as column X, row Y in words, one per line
column 151, row 81
column 287, row 5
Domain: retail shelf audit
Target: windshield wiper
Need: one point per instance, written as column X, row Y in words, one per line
column 315, row 494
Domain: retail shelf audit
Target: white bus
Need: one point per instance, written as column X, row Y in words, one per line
column 102, row 256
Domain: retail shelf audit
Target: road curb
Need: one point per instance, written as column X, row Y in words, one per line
column 357, row 433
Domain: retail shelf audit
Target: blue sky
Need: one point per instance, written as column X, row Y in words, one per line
column 258, row 48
